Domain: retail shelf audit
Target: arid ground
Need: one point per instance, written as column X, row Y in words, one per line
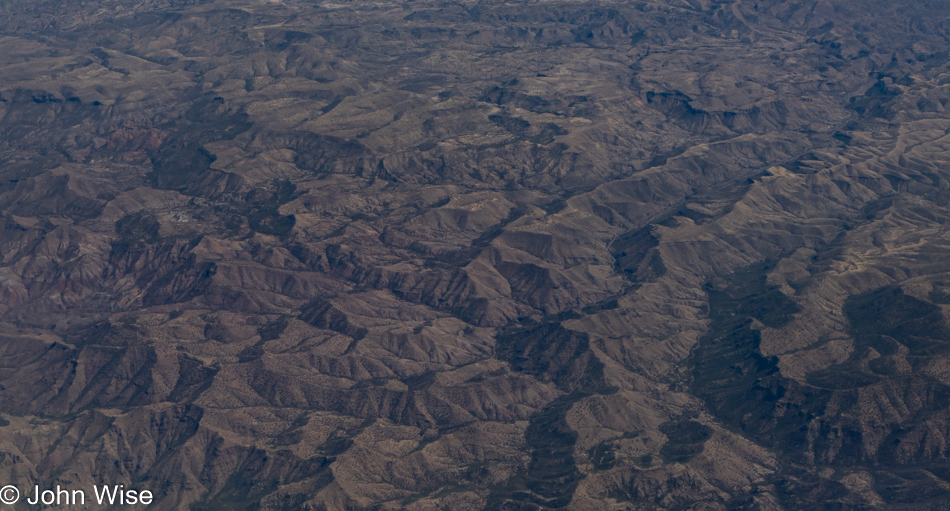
column 435, row 255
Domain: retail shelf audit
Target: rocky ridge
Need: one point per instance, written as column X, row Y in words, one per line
column 432, row 255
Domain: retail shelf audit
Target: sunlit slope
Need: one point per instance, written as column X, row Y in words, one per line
column 669, row 255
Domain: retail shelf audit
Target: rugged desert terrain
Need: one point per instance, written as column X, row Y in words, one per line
column 426, row 255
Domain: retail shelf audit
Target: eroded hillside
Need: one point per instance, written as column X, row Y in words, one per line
column 477, row 255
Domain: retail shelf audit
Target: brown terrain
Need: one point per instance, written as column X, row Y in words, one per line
column 426, row 255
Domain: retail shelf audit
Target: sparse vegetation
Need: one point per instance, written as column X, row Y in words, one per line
column 421, row 255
